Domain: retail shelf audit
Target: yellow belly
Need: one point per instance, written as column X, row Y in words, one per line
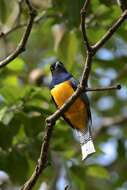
column 77, row 113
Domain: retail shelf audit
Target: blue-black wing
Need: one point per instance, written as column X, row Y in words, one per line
column 83, row 96
column 85, row 137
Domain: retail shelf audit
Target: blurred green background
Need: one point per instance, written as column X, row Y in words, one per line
column 25, row 100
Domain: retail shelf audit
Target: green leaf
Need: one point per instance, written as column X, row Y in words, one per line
column 18, row 168
column 11, row 93
column 68, row 154
column 3, row 11
column 73, row 12
column 68, row 48
column 2, row 112
column 16, row 65
column 11, row 80
column 5, row 137
column 98, row 172
column 32, row 125
column 34, row 144
column 95, row 36
column 77, row 173
column 7, row 117
column 107, row 2
column 14, row 124
column 3, row 160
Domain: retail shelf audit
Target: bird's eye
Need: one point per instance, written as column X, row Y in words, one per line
column 56, row 65
column 59, row 65
column 52, row 67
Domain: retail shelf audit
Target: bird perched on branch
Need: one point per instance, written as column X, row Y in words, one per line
column 78, row 116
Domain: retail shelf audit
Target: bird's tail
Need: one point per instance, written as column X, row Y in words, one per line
column 86, row 142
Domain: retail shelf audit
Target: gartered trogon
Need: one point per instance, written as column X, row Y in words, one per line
column 78, row 116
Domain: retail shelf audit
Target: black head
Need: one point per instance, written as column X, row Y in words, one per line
column 57, row 67
column 59, row 73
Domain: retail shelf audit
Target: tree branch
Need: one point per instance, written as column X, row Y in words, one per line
column 83, row 24
column 21, row 46
column 86, row 70
column 20, row 3
column 22, row 25
column 50, row 121
column 42, row 161
column 116, row 87
column 110, row 32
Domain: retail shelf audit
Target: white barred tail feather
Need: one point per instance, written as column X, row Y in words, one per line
column 86, row 142
column 87, row 149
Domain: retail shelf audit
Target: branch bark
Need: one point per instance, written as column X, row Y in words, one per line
column 116, row 87
column 20, row 3
column 21, row 46
column 42, row 161
column 22, row 25
column 83, row 24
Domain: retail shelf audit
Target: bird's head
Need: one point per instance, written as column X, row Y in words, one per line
column 57, row 67
column 59, row 73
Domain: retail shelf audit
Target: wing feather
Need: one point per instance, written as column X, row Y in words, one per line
column 83, row 96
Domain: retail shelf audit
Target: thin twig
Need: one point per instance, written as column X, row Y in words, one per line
column 31, row 8
column 21, row 46
column 83, row 24
column 22, row 25
column 20, row 2
column 116, row 87
column 68, row 103
column 86, row 70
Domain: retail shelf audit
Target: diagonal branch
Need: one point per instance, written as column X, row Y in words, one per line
column 21, row 46
column 110, row 32
column 29, row 4
column 22, row 25
column 42, row 161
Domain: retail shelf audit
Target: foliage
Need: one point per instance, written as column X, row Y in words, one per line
column 25, row 99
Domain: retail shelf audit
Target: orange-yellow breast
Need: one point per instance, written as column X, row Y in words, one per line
column 77, row 113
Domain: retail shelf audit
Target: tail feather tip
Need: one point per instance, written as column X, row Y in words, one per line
column 87, row 149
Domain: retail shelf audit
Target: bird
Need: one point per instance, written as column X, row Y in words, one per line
column 78, row 116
